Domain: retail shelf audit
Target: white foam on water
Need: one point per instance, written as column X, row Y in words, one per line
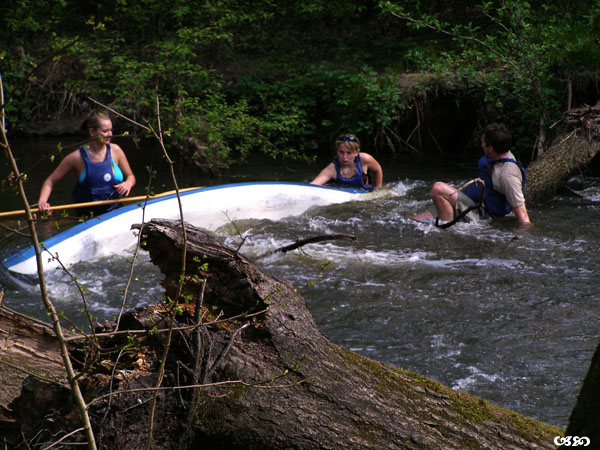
column 476, row 377
column 443, row 350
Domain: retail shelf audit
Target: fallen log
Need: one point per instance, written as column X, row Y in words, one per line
column 570, row 153
column 28, row 348
column 309, row 392
column 249, row 369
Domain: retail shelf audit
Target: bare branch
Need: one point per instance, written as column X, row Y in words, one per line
column 71, row 375
column 312, row 240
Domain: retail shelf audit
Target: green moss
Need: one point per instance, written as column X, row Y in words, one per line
column 469, row 443
column 469, row 408
column 476, row 410
column 391, row 380
column 238, row 392
column 212, row 418
column 371, row 434
column 334, row 376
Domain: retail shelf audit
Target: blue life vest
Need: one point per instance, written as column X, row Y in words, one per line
column 97, row 184
column 495, row 203
column 359, row 180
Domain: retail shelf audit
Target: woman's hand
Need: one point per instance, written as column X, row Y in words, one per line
column 123, row 188
column 44, row 206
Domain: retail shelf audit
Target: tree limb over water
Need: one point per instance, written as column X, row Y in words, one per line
column 570, row 153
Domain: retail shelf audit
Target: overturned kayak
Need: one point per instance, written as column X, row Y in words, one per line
column 208, row 208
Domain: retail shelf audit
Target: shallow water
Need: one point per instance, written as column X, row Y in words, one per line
column 509, row 316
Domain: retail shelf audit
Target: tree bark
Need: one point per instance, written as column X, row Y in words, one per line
column 571, row 151
column 28, row 348
column 270, row 379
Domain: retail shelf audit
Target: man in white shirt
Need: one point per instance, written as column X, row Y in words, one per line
column 503, row 176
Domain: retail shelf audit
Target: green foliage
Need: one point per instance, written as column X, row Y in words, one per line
column 221, row 130
column 329, row 99
column 365, row 102
column 237, row 77
column 519, row 53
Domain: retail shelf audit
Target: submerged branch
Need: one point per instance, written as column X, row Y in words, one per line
column 312, row 240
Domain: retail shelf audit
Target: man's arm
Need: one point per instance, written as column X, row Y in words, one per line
column 522, row 216
column 509, row 182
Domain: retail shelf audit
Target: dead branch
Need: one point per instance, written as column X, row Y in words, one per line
column 312, row 240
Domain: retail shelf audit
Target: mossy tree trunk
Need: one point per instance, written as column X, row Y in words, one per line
column 270, row 379
column 302, row 390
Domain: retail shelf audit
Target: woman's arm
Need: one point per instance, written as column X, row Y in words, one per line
column 327, row 174
column 68, row 164
column 123, row 188
column 370, row 163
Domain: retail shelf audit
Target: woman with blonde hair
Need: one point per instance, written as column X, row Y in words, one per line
column 101, row 167
column 351, row 167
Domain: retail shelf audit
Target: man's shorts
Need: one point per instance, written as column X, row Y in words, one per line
column 462, row 203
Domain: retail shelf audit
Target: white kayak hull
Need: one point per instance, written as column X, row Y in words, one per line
column 208, row 208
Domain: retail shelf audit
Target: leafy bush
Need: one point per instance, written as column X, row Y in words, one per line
column 521, row 54
column 282, row 78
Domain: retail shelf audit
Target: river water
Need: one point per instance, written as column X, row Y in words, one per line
column 509, row 316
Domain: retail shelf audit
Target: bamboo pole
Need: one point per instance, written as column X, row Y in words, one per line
column 97, row 203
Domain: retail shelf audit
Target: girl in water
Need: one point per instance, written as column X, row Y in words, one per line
column 350, row 166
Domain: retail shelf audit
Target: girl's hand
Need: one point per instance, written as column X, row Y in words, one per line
column 43, row 206
column 123, row 188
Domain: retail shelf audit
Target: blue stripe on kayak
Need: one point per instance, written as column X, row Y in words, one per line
column 29, row 252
